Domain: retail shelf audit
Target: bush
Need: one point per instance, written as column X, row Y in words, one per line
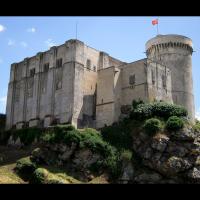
column 135, row 103
column 118, row 135
column 40, row 175
column 2, row 121
column 174, row 123
column 86, row 138
column 196, row 127
column 26, row 135
column 152, row 126
column 158, row 109
column 25, row 163
column 126, row 155
column 43, row 176
column 57, row 134
column 25, row 168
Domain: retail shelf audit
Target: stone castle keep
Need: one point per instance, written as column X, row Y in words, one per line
column 74, row 83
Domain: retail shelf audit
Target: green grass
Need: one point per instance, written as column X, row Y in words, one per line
column 8, row 175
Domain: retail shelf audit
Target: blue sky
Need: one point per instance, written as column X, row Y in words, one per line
column 121, row 37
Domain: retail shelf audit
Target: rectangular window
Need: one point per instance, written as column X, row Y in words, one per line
column 88, row 64
column 46, row 67
column 59, row 62
column 32, row 72
column 132, row 79
column 153, row 77
column 164, row 81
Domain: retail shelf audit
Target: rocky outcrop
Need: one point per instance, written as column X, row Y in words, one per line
column 165, row 158
column 78, row 161
column 170, row 157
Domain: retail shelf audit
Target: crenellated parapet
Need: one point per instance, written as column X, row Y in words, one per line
column 165, row 44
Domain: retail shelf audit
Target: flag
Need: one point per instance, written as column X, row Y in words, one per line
column 155, row 21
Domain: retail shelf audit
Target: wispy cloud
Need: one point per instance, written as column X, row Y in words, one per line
column 3, row 99
column 2, row 28
column 11, row 42
column 1, row 60
column 197, row 115
column 50, row 42
column 23, row 44
column 31, row 30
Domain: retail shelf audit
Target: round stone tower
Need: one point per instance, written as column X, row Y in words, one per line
column 175, row 52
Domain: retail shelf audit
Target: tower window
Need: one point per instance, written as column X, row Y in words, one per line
column 94, row 68
column 132, row 79
column 164, row 81
column 153, row 77
column 59, row 62
column 46, row 67
column 32, row 72
column 88, row 64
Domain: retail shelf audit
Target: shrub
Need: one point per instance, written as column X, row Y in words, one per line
column 118, row 135
column 25, row 163
column 72, row 136
column 2, row 121
column 126, row 155
column 25, row 168
column 196, row 127
column 135, row 103
column 43, row 176
column 26, row 135
column 57, row 134
column 174, row 123
column 40, row 175
column 152, row 126
column 157, row 109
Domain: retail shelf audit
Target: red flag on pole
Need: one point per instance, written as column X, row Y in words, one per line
column 155, row 21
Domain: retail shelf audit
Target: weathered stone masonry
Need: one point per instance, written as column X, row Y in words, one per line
column 74, row 83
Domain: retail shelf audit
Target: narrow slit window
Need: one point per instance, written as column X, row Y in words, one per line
column 46, row 67
column 132, row 79
column 32, row 72
column 59, row 62
column 164, row 81
column 88, row 64
column 153, row 77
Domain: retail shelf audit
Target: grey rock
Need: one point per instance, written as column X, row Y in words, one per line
column 150, row 178
column 160, row 142
column 185, row 134
column 175, row 165
column 194, row 175
column 127, row 173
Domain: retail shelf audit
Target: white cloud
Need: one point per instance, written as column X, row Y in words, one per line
column 31, row 30
column 3, row 101
column 24, row 44
column 11, row 42
column 197, row 115
column 50, row 42
column 2, row 28
column 1, row 61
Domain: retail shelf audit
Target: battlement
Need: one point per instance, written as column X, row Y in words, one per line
column 163, row 42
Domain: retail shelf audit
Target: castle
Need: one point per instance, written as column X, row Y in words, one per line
column 74, row 83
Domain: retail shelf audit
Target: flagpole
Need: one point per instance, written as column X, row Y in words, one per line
column 157, row 29
column 157, row 26
column 76, row 29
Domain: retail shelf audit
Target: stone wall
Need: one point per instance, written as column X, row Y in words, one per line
column 175, row 52
column 90, row 87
